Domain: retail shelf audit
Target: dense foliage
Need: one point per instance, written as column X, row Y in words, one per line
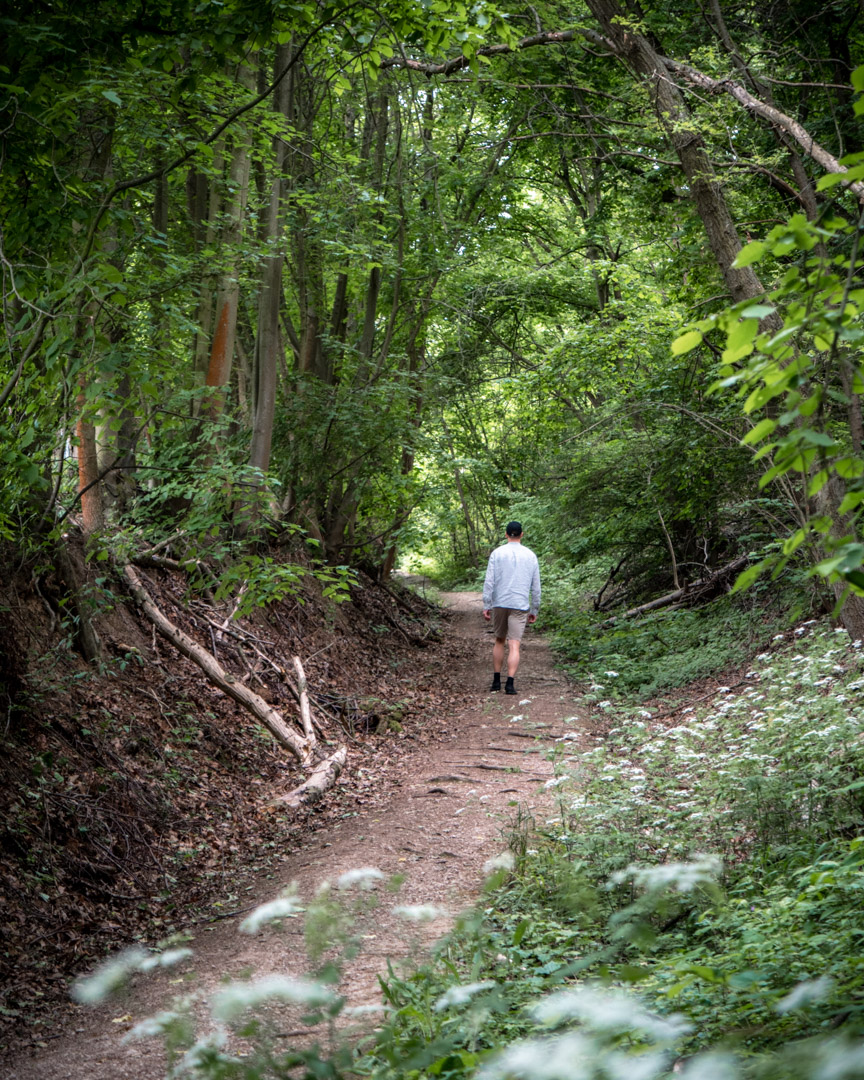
column 364, row 281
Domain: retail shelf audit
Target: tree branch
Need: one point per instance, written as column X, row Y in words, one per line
column 767, row 112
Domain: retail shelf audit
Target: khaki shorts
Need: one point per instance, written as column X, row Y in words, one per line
column 508, row 622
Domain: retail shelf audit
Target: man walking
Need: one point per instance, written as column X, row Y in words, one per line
column 511, row 599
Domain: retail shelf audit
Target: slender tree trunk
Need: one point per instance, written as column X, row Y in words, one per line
column 268, row 341
column 228, row 293
column 90, row 490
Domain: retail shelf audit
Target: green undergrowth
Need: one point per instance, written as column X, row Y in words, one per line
column 689, row 905
column 666, row 650
column 708, row 864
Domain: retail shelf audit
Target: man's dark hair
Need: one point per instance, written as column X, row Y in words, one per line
column 514, row 528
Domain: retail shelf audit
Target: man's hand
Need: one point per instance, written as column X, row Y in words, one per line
column 532, row 619
column 487, row 614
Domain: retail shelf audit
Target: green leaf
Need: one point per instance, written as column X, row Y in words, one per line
column 816, row 438
column 746, row 578
column 793, row 542
column 111, row 95
column 749, row 254
column 817, row 483
column 756, row 434
column 519, row 932
column 850, row 501
column 686, row 342
column 757, row 311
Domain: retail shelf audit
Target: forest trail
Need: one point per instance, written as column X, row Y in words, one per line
column 449, row 815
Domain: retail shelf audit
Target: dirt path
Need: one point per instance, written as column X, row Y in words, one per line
column 448, row 816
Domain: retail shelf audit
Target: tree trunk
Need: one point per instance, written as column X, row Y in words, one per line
column 228, row 293
column 268, row 340
column 705, row 188
column 89, row 487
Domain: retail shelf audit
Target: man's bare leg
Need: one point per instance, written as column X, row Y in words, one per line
column 498, row 653
column 513, row 657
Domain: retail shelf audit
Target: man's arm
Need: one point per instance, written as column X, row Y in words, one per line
column 535, row 590
column 489, row 586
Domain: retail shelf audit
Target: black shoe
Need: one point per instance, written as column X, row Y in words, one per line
column 496, row 685
column 509, row 688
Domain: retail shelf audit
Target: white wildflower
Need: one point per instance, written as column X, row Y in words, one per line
column 838, row 1059
column 166, row 959
column 283, row 907
column 420, row 913
column 364, row 1010
column 611, row 674
column 108, row 977
column 461, row 995
column 606, row 1010
column 680, row 876
column 572, row 1056
column 804, row 993
column 364, row 876
column 239, row 997
column 711, row 1066
column 154, row 1025
column 205, row 1055
column 504, row 861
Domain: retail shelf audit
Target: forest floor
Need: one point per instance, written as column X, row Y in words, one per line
column 452, row 808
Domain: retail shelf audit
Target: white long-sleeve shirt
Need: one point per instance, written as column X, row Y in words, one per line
column 512, row 579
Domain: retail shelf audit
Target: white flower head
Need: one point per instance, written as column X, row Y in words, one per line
column 504, row 861
column 283, row 907
column 420, row 913
column 805, row 993
column 237, row 998
column 611, row 674
column 605, row 1010
column 364, row 876
column 573, row 1056
column 365, row 1010
column 166, row 959
column 711, row 1066
column 461, row 995
column 154, row 1025
column 108, row 977
column 201, row 1057
column 680, row 877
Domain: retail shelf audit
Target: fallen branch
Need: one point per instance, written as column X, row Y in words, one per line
column 688, row 594
column 299, row 746
column 323, row 776
column 162, row 562
column 305, row 713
